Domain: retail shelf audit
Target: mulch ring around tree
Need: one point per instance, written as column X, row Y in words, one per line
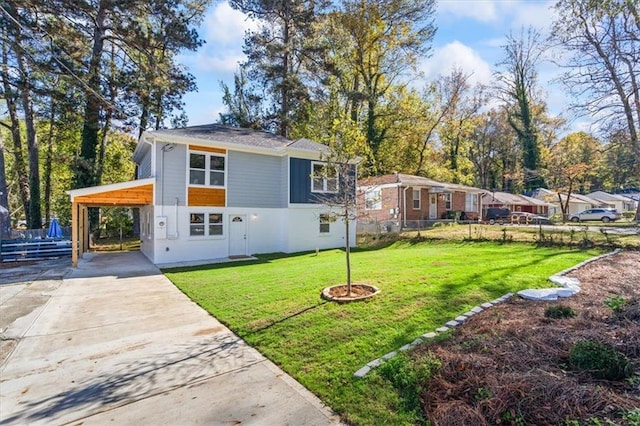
column 509, row 365
column 340, row 293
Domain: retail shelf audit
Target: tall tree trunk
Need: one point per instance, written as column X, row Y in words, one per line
column 5, row 223
column 48, row 162
column 85, row 173
column 20, row 169
column 34, row 220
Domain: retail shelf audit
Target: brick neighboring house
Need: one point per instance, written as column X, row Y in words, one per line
column 401, row 198
column 515, row 203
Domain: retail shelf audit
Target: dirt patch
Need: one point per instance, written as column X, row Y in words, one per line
column 13, row 264
column 509, row 364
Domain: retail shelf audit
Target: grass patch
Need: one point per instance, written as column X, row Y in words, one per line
column 575, row 235
column 274, row 304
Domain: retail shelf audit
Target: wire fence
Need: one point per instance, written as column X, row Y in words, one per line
column 395, row 226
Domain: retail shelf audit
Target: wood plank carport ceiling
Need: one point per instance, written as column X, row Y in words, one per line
column 129, row 197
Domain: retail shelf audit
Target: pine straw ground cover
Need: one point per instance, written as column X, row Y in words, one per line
column 509, row 364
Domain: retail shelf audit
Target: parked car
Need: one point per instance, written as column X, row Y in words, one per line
column 497, row 215
column 605, row 215
column 529, row 218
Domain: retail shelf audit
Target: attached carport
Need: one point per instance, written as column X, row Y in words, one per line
column 136, row 193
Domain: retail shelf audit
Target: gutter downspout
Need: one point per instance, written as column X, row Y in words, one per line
column 404, row 209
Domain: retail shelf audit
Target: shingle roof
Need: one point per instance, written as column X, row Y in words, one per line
column 605, row 196
column 411, row 180
column 514, row 199
column 238, row 136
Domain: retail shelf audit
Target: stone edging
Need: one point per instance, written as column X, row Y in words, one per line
column 569, row 286
column 449, row 325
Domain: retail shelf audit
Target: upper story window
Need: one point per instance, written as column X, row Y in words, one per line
column 416, row 199
column 323, row 178
column 373, row 199
column 206, row 169
column 447, row 201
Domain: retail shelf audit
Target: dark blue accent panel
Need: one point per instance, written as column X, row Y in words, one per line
column 300, row 180
column 300, row 183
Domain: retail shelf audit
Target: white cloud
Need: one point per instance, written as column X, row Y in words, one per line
column 537, row 14
column 225, row 25
column 457, row 55
column 480, row 10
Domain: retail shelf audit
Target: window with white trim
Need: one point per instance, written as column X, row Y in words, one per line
column 205, row 224
column 206, row 169
column 323, row 178
column 471, row 203
column 447, row 201
column 325, row 223
column 416, row 199
column 373, row 199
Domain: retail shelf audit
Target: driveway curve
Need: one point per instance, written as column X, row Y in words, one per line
column 117, row 342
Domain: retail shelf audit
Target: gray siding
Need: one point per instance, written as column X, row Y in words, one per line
column 254, row 180
column 284, row 181
column 144, row 168
column 173, row 177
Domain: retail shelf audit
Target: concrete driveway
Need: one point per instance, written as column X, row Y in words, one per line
column 116, row 342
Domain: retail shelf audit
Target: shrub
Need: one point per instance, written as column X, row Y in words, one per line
column 602, row 361
column 616, row 303
column 559, row 311
column 408, row 377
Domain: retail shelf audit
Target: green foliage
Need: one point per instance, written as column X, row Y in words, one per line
column 409, row 377
column 616, row 303
column 600, row 360
column 483, row 393
column 559, row 311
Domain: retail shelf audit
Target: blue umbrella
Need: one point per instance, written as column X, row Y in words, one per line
column 54, row 229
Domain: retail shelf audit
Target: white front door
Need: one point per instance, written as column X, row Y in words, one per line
column 433, row 206
column 237, row 235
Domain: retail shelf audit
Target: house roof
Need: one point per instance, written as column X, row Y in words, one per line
column 401, row 179
column 605, row 196
column 513, row 199
column 575, row 198
column 234, row 136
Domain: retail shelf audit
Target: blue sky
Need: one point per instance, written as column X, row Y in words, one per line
column 470, row 35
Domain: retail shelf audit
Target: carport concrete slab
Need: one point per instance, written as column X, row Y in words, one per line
column 119, row 342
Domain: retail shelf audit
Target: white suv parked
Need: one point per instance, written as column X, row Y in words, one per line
column 605, row 215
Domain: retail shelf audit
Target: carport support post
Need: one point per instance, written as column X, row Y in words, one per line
column 74, row 235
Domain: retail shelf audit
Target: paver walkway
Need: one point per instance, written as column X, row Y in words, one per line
column 118, row 343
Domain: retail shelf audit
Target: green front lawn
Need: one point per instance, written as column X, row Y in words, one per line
column 274, row 304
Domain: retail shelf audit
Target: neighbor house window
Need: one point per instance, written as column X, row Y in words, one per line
column 206, row 169
column 447, row 201
column 471, row 203
column 416, row 199
column 323, row 178
column 205, row 224
column 325, row 223
column 373, row 199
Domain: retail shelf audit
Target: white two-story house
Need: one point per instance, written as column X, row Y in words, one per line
column 214, row 192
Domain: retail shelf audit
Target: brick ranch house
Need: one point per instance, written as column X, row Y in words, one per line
column 402, row 198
